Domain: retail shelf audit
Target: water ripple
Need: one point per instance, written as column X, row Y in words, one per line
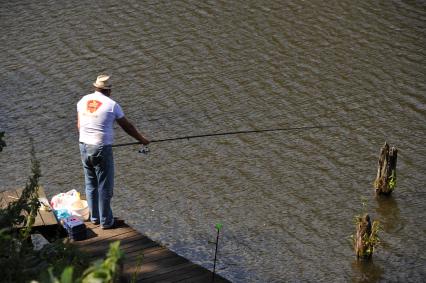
column 287, row 199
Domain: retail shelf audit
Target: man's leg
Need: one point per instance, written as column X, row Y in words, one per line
column 105, row 173
column 91, row 182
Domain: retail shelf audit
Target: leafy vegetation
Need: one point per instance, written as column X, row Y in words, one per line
column 17, row 258
column 392, row 181
column 106, row 270
column 138, row 265
column 56, row 262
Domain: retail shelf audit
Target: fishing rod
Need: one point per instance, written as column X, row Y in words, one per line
column 225, row 134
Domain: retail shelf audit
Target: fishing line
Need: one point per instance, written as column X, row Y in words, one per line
column 226, row 134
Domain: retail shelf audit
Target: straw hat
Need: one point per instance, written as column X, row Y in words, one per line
column 102, row 82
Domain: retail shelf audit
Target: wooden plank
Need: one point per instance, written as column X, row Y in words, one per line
column 133, row 254
column 151, row 269
column 43, row 217
column 206, row 277
column 119, row 237
column 156, row 258
column 104, row 235
column 125, row 244
column 159, row 264
column 150, row 256
column 14, row 195
column 183, row 273
column 97, row 236
column 134, row 247
column 47, row 216
column 7, row 197
column 108, row 233
column 102, row 254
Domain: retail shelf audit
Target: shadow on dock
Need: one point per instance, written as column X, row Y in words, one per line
column 158, row 264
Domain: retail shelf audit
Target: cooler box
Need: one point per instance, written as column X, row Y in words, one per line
column 75, row 228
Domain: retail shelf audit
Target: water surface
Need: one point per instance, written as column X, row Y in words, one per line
column 287, row 199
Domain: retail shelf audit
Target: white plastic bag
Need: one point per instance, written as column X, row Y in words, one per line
column 71, row 202
column 64, row 200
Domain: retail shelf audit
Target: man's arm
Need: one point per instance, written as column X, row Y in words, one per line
column 131, row 130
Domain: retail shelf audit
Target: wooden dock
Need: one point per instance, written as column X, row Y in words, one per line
column 159, row 264
column 44, row 218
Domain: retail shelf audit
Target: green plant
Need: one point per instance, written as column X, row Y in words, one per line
column 28, row 201
column 58, row 256
column 102, row 271
column 17, row 258
column 21, row 263
column 392, row 181
column 373, row 240
column 106, row 270
column 138, row 265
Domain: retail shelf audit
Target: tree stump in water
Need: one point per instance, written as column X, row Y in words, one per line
column 366, row 237
column 385, row 181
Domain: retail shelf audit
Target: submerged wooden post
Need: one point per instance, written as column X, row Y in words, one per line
column 366, row 237
column 363, row 231
column 385, row 181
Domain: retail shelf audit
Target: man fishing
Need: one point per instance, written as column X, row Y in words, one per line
column 96, row 113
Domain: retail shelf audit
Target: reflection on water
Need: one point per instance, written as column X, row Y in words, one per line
column 366, row 271
column 387, row 208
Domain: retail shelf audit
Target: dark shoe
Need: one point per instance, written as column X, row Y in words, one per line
column 116, row 224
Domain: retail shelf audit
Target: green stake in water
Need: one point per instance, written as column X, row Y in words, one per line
column 218, row 226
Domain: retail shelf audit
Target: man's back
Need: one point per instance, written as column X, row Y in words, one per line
column 97, row 114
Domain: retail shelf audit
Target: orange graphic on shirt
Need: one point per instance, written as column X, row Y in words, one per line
column 93, row 105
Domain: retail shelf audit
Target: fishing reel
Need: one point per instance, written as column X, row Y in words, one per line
column 144, row 149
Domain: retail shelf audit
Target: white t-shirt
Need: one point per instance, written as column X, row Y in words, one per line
column 97, row 114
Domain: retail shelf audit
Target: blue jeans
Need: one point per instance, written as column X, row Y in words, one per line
column 98, row 165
